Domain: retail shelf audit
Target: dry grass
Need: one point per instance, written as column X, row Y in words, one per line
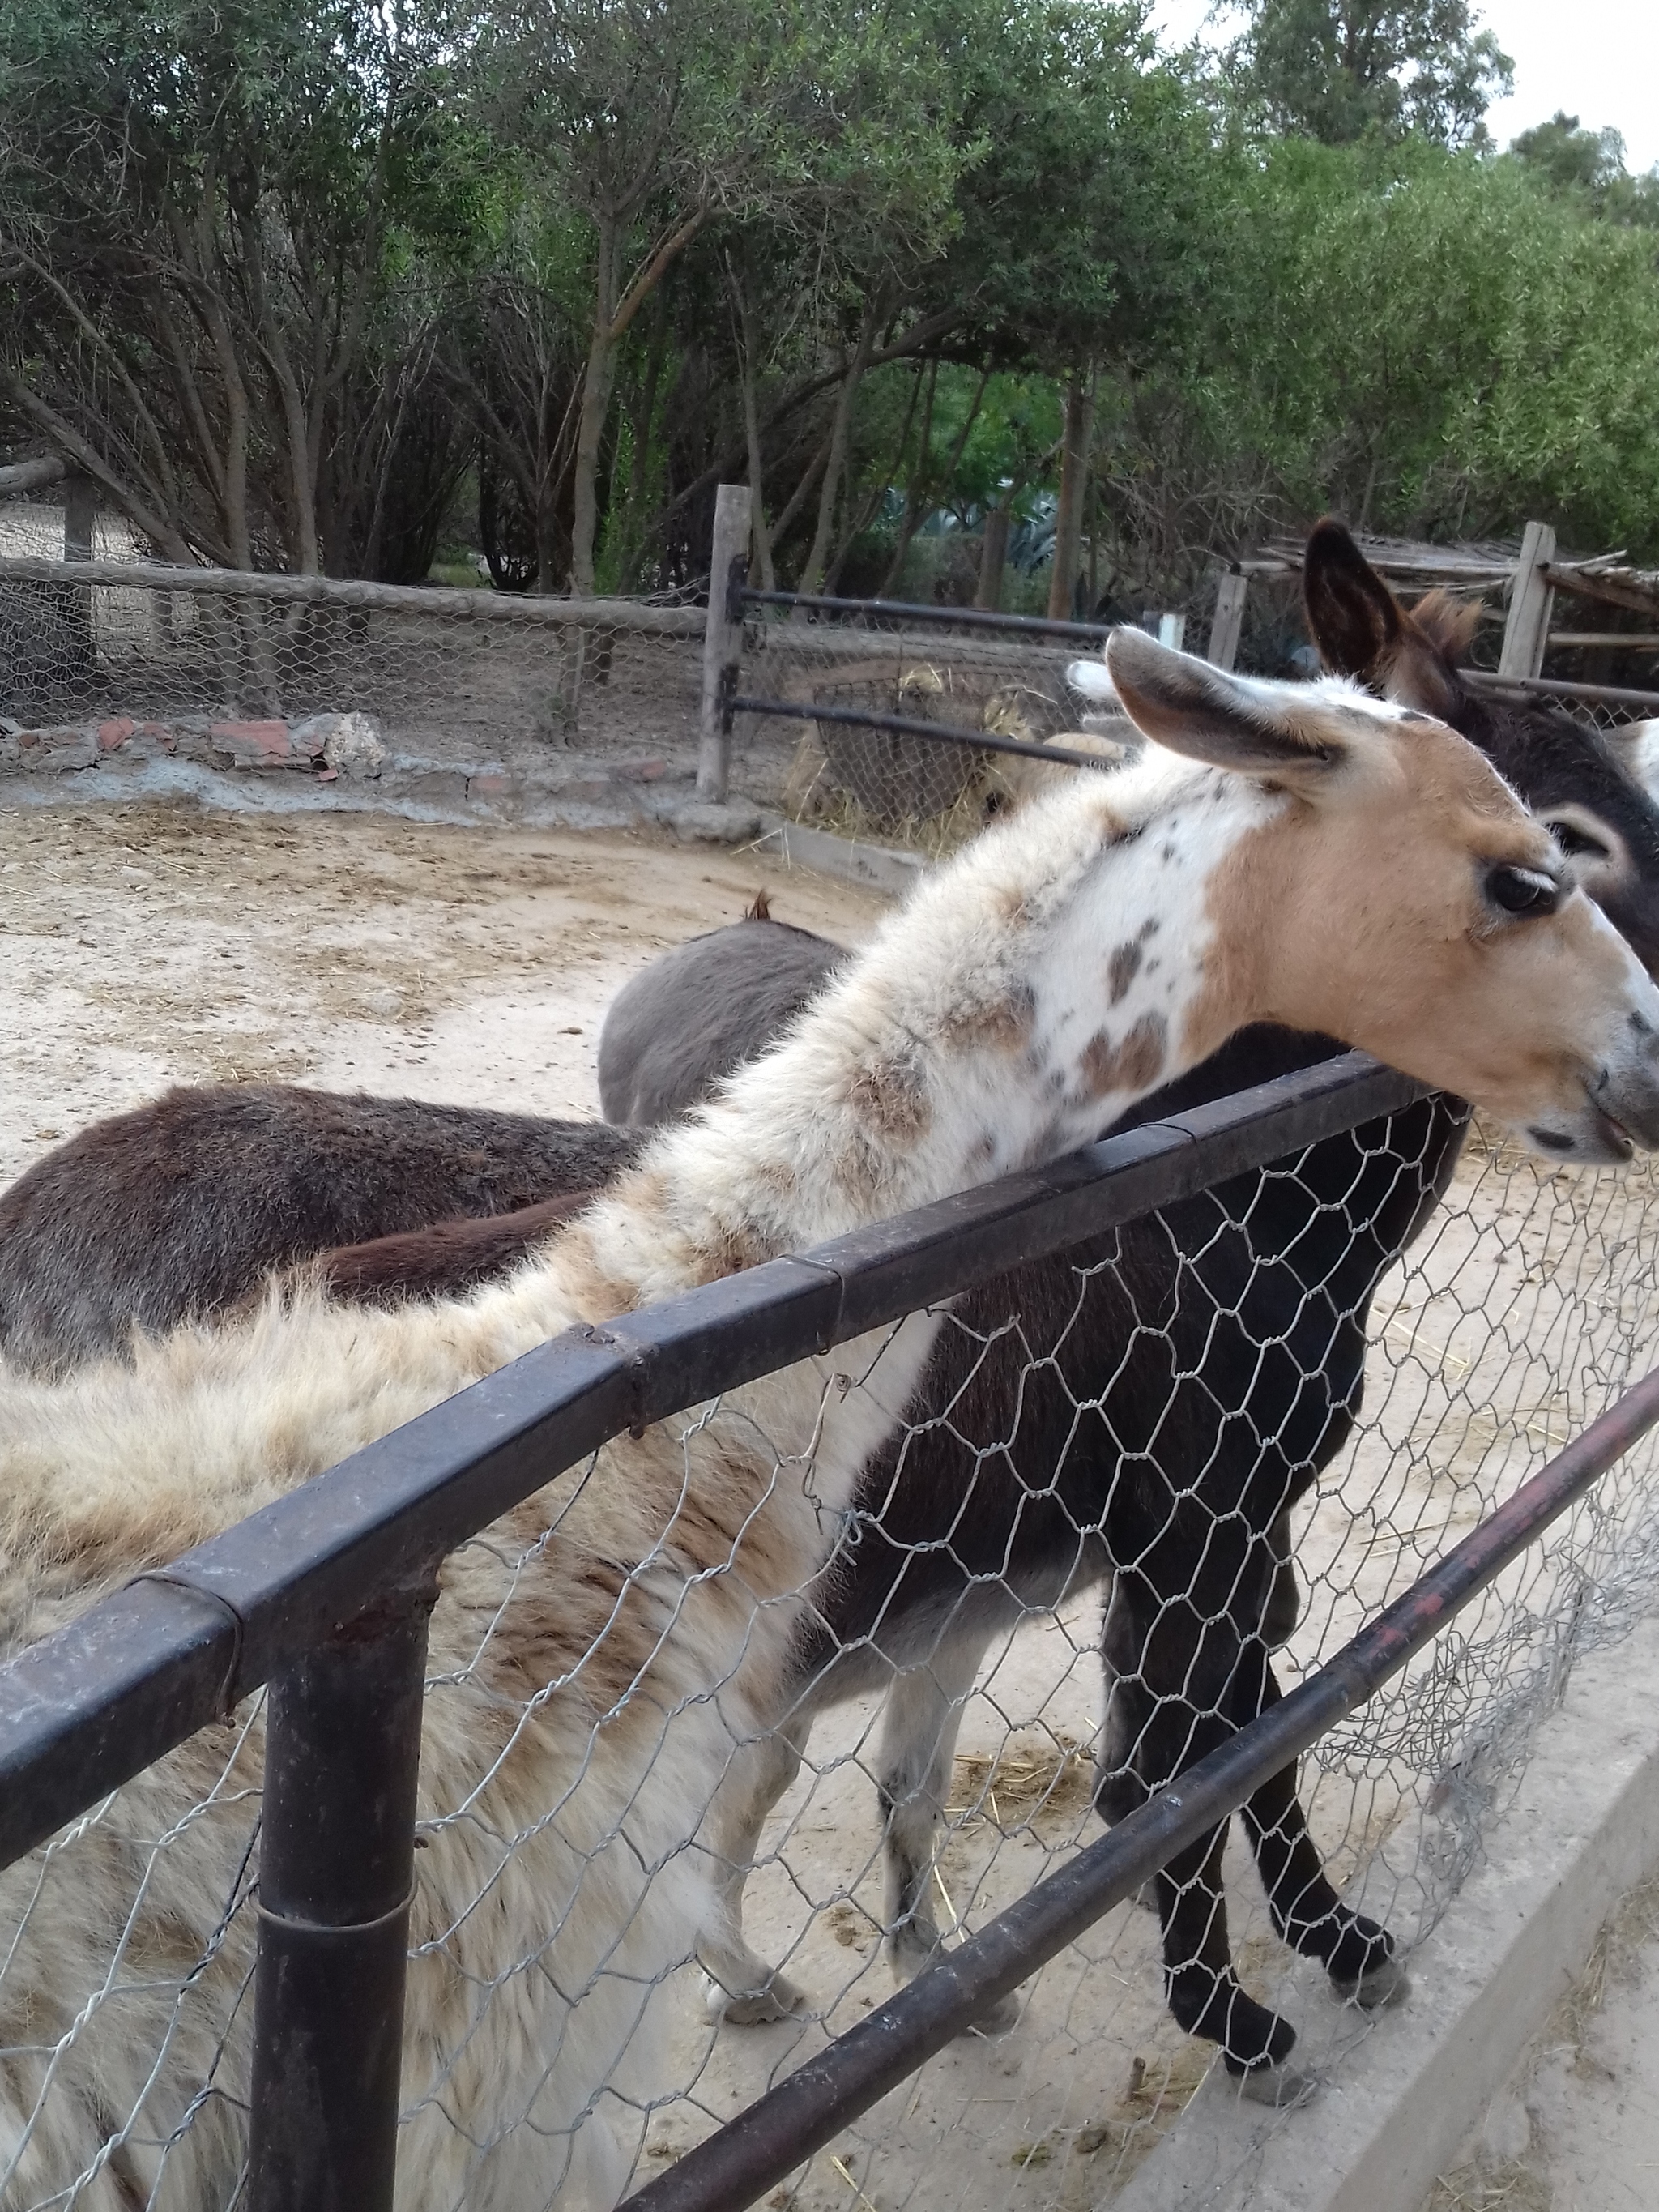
column 1037, row 1774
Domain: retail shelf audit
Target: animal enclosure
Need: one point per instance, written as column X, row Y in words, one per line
column 1522, row 1310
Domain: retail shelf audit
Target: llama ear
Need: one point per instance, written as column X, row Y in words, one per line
column 1352, row 615
column 1256, row 729
column 1362, row 631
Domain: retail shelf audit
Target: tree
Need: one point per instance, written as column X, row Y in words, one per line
column 1590, row 163
column 653, row 120
column 1334, row 69
column 210, row 223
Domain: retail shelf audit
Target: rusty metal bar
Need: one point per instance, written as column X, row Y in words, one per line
column 908, row 726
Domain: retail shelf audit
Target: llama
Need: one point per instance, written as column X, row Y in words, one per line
column 1318, row 857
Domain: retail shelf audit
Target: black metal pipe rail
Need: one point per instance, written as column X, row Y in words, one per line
column 910, row 726
column 1619, row 694
column 92, row 1705
column 908, row 610
column 756, row 2150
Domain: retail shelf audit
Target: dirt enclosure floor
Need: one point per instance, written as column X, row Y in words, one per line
column 150, row 945
column 143, row 946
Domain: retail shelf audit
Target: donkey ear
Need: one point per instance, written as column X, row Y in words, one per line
column 1352, row 615
column 1362, row 630
column 1256, row 729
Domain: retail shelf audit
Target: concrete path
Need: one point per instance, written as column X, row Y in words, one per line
column 1576, row 2127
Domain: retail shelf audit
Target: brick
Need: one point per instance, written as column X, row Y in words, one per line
column 115, row 732
column 253, row 745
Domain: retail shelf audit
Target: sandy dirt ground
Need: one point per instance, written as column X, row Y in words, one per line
column 144, row 947
column 140, row 946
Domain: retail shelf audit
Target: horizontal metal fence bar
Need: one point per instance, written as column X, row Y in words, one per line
column 419, row 599
column 1618, row 693
column 955, row 617
column 909, row 726
column 89, row 1707
column 756, row 2150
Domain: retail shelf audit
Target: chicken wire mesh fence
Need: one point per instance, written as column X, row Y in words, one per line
column 1143, row 1402
column 323, row 675
column 964, row 672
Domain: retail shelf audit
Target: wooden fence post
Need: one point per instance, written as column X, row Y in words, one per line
column 1228, row 620
column 722, row 641
column 1527, row 631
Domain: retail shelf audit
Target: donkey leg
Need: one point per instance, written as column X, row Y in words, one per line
column 738, row 1984
column 1169, row 1672
column 918, row 1751
column 1358, row 1955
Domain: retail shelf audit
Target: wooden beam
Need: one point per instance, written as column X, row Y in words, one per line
column 1231, row 589
column 1606, row 641
column 31, row 476
column 1527, row 631
column 1591, row 587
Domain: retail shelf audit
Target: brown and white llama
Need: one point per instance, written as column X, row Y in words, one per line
column 1318, row 858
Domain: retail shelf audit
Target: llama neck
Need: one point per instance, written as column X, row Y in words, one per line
column 1023, row 999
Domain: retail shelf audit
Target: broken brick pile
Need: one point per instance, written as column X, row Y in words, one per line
column 324, row 746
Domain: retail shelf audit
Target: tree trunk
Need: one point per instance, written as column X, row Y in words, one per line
column 595, row 404
column 835, row 465
column 915, row 490
column 763, row 568
column 1074, row 477
column 993, row 556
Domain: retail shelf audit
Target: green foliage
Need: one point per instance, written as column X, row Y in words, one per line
column 284, row 275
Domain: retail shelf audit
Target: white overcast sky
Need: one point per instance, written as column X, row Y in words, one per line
column 1597, row 58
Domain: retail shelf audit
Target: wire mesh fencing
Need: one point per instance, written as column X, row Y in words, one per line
column 1141, row 1486
column 854, row 666
column 329, row 677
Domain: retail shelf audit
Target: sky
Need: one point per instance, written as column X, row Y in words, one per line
column 1597, row 58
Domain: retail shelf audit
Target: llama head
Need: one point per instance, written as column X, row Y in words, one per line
column 1402, row 898
column 1588, row 790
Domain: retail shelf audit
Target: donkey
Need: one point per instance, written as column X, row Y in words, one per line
column 180, row 1209
column 1323, row 859
column 1555, row 761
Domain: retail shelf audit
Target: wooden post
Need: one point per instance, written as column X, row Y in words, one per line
column 722, row 641
column 1228, row 620
column 1172, row 631
column 1527, row 631
column 80, row 515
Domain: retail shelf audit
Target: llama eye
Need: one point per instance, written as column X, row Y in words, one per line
column 1522, row 890
column 1577, row 843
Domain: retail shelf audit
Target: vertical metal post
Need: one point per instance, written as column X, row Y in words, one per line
column 1228, row 620
column 722, row 642
column 1526, row 630
column 343, row 1749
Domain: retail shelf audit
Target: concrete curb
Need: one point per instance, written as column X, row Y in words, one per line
column 1408, row 2088
column 879, row 867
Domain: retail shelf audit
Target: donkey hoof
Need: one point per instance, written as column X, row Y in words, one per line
column 1281, row 2088
column 1385, row 1983
column 777, row 1998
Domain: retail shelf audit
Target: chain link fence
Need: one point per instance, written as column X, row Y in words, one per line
column 1145, row 1399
